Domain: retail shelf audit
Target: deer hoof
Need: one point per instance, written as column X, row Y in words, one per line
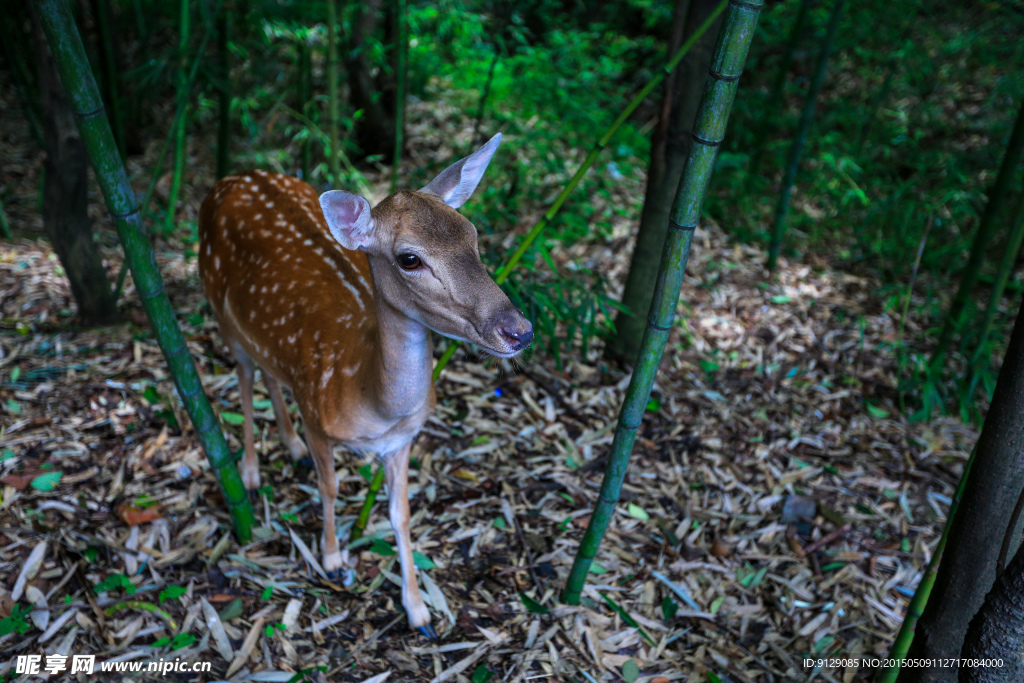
column 428, row 631
column 250, row 477
column 298, row 451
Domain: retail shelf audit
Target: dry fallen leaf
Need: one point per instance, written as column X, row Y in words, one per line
column 133, row 516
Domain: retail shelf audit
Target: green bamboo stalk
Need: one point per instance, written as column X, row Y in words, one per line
column 708, row 132
column 224, row 94
column 145, row 606
column 359, row 528
column 73, row 66
column 905, row 636
column 505, row 270
column 332, row 92
column 1013, row 245
column 997, row 197
column 5, row 226
column 107, row 52
column 484, row 95
column 901, row 352
column 305, row 87
column 774, row 101
column 797, row 149
column 179, row 135
column 401, row 45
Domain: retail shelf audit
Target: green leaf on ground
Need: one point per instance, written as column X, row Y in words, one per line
column 382, row 548
column 532, row 604
column 422, row 561
column 46, row 482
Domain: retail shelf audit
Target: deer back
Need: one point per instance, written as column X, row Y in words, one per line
column 282, row 288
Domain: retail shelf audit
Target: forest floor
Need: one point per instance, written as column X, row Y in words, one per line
column 778, row 505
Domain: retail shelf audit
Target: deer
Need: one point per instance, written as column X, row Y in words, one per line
column 336, row 300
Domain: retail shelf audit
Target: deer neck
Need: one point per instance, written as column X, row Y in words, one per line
column 403, row 360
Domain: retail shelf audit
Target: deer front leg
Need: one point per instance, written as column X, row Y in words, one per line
column 246, row 371
column 285, row 427
column 322, row 451
column 396, row 467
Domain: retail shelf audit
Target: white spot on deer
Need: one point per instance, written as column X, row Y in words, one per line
column 270, row 205
column 246, row 178
column 252, row 289
column 223, row 220
column 355, row 293
column 274, row 288
column 351, row 370
column 216, row 262
column 291, row 338
column 258, row 216
column 308, row 243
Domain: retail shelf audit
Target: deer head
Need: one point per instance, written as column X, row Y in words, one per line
column 424, row 259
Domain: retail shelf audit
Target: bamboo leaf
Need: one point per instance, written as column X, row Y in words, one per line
column 422, row 561
column 46, row 482
column 532, row 604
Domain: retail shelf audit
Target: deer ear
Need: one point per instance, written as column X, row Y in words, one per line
column 348, row 218
column 455, row 184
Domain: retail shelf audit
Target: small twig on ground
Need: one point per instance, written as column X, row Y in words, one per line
column 827, row 538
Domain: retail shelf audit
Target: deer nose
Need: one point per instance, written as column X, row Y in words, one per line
column 517, row 333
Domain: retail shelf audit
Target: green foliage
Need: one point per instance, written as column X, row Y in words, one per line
column 911, row 127
column 16, row 623
column 172, row 592
column 115, row 582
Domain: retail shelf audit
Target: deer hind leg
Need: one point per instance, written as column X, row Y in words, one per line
column 396, row 467
column 327, row 480
column 285, row 427
column 246, row 371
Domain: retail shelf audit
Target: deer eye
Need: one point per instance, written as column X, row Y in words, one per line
column 409, row 261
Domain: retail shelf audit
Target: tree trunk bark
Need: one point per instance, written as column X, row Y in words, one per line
column 65, row 199
column 997, row 630
column 670, row 146
column 374, row 95
column 968, row 566
column 223, row 69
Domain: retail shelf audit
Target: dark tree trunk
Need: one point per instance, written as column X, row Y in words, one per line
column 670, row 146
column 997, row 630
column 15, row 49
column 65, row 216
column 968, row 566
column 108, row 52
column 305, row 90
column 223, row 70
column 372, row 93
